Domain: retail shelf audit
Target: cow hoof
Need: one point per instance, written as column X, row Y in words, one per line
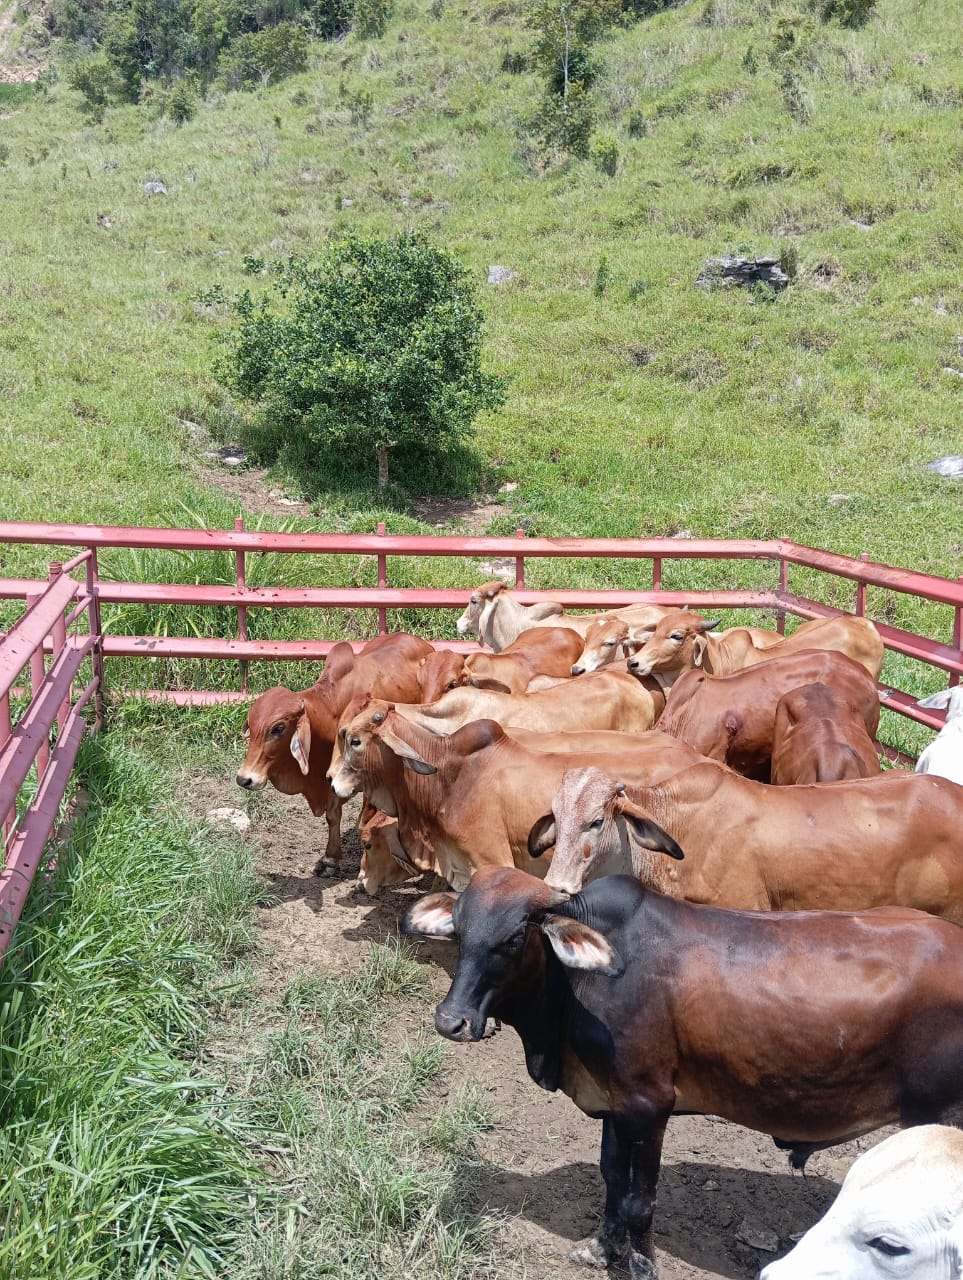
column 323, row 867
column 591, row 1253
column 641, row 1268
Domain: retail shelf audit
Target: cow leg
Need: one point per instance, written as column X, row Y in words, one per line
column 615, row 1161
column 330, row 861
column 638, row 1207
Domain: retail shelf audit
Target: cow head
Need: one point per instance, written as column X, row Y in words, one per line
column 498, row 920
column 480, row 602
column 279, row 743
column 898, row 1214
column 604, row 643
column 677, row 643
column 439, row 672
column 597, row 830
column 356, row 762
column 384, row 860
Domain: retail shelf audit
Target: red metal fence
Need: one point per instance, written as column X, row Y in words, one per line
column 56, row 605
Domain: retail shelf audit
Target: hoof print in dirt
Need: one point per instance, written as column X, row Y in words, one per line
column 327, row 869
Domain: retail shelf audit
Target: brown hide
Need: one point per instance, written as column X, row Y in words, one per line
column 732, row 718
column 820, row 736
column 290, row 734
column 472, row 797
column 439, row 672
column 680, row 642
column 889, row 839
column 548, row 651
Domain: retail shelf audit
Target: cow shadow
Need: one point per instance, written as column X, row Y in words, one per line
column 701, row 1211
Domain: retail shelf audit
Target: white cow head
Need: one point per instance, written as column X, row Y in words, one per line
column 899, row 1213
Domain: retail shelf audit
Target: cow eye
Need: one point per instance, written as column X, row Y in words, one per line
column 366, row 845
column 596, row 825
column 278, row 729
column 888, row 1248
column 514, row 943
column 452, row 684
column 354, row 742
column 677, row 635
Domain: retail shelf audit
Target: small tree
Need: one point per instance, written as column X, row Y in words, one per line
column 378, row 342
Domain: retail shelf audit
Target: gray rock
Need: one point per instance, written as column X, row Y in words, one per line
column 835, row 499
column 951, row 465
column 500, row 275
column 729, row 272
column 229, row 817
column 154, row 189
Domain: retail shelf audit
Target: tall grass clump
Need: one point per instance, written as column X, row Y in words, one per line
column 118, row 1159
column 380, row 1191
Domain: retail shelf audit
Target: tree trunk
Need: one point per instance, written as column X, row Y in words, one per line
column 382, row 453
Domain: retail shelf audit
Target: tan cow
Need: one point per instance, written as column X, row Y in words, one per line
column 471, row 798
column 495, row 617
column 681, row 641
column 610, row 699
column 889, row 840
column 383, row 859
column 820, row 736
column 439, row 672
column 291, row 734
column 540, row 651
column 732, row 718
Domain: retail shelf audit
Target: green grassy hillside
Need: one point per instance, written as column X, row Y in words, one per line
column 645, row 408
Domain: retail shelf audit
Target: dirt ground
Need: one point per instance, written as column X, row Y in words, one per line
column 724, row 1191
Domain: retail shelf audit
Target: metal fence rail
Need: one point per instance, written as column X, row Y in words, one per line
column 61, row 602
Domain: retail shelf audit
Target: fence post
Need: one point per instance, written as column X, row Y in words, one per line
column 957, row 636
column 519, row 563
column 59, row 633
column 861, row 589
column 240, row 567
column 96, row 630
column 783, row 588
column 656, row 573
column 37, row 675
column 8, row 818
column 382, row 582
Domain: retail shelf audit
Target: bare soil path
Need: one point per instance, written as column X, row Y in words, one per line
column 722, row 1187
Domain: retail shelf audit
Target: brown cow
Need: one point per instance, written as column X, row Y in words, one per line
column 732, row 718
column 439, row 672
column 471, row 798
column 680, row 641
column 812, row 1027
column 610, row 699
column 383, row 859
column 820, row 736
column 540, row 651
column 291, row 734
column 891, row 839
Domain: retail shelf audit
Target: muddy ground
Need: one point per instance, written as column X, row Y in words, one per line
column 724, row 1191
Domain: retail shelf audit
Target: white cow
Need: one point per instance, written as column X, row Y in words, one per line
column 944, row 755
column 899, row 1213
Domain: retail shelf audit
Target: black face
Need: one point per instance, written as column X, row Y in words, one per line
column 492, row 929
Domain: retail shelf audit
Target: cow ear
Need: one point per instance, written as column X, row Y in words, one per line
column 301, row 742
column 937, row 701
column 542, row 836
column 432, row 916
column 401, row 748
column 699, row 646
column 579, row 947
column 646, row 830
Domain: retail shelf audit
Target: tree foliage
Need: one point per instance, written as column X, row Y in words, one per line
column 378, row 342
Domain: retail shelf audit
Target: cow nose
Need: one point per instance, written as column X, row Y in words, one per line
column 452, row 1026
column 578, row 671
column 633, row 664
column 244, row 781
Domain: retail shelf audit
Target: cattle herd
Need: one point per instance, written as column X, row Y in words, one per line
column 677, row 870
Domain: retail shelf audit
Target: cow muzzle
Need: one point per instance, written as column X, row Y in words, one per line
column 250, row 782
column 458, row 1026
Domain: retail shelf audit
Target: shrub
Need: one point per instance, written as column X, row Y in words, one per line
column 567, row 123
column 605, row 153
column 638, row 124
column 182, row 102
column 370, row 17
column 258, row 57
column 378, row 345
column 94, row 78
column 603, row 276
column 848, row 13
